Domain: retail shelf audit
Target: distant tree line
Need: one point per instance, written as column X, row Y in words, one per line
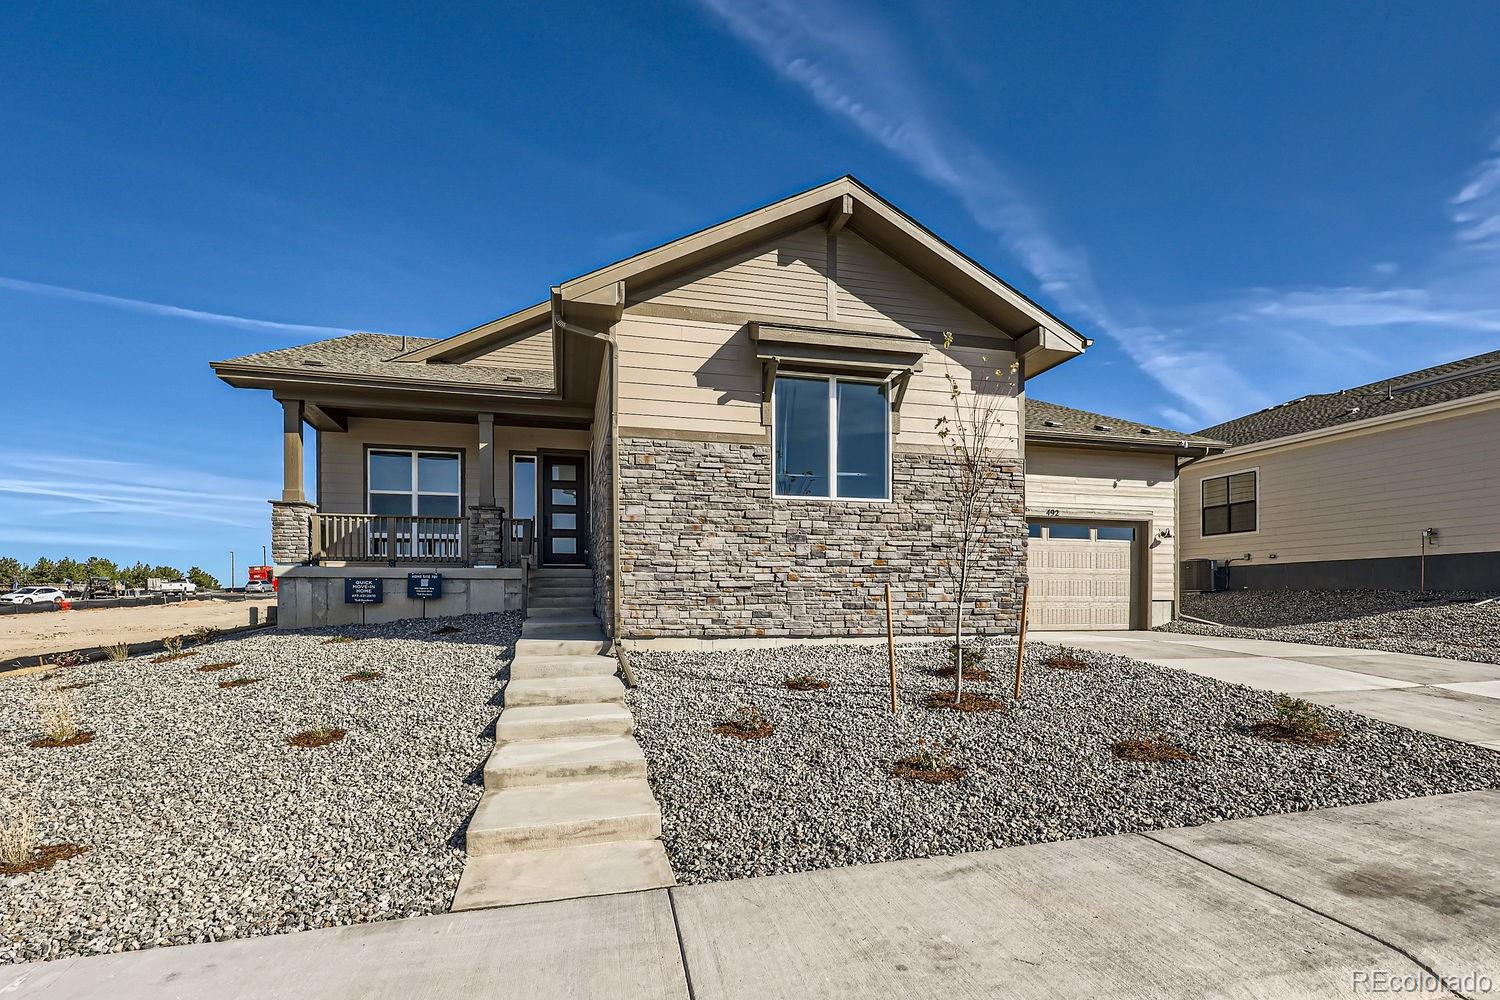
column 77, row 573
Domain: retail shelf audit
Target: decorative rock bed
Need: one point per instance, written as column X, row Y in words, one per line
column 819, row 791
column 198, row 821
column 1454, row 625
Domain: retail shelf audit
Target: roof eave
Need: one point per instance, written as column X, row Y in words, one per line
column 1181, row 446
column 265, row 377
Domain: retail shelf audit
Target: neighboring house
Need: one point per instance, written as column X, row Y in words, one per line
column 736, row 432
column 1101, row 506
column 1347, row 489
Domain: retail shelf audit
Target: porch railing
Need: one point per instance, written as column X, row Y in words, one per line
column 518, row 542
column 385, row 538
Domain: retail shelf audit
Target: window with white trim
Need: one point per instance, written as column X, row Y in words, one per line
column 415, row 483
column 1229, row 504
column 832, row 438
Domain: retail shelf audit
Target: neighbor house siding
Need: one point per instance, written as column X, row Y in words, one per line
column 341, row 474
column 1361, row 494
column 1088, row 482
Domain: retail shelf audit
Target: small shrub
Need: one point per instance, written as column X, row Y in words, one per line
column 362, row 675
column 210, row 668
column 337, row 640
column 205, row 633
column 1066, row 661
column 746, row 724
column 1296, row 721
column 930, row 767
column 72, row 659
column 971, row 702
column 317, row 737
column 806, row 682
column 973, row 655
column 118, row 653
column 58, row 719
column 172, row 644
column 17, row 835
column 240, row 682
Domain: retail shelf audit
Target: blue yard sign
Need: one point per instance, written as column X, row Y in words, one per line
column 364, row 590
column 426, row 586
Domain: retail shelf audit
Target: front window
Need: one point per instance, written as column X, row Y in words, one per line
column 415, row 483
column 832, row 437
column 522, row 492
column 1229, row 504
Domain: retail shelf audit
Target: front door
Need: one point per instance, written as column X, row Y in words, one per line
column 564, row 529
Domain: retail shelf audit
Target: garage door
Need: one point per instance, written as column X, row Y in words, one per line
column 1082, row 575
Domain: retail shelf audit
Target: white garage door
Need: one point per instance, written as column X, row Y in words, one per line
column 1082, row 575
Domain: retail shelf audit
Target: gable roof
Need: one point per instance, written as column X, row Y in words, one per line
column 373, row 355
column 845, row 201
column 1054, row 423
column 1453, row 380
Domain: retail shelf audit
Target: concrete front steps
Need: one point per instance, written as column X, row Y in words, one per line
column 567, row 810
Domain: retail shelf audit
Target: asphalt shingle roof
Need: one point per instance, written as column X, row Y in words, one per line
column 372, row 354
column 1438, row 384
column 1043, row 417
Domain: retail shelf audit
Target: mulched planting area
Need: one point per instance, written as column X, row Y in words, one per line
column 201, row 822
column 820, row 791
column 1450, row 624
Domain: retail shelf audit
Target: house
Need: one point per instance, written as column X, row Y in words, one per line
column 735, row 434
column 1391, row 485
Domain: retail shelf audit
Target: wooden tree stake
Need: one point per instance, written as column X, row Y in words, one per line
column 890, row 645
column 1021, row 643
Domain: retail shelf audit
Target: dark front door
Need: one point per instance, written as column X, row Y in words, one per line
column 564, row 529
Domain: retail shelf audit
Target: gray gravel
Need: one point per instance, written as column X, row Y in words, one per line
column 818, row 794
column 201, row 823
column 1453, row 624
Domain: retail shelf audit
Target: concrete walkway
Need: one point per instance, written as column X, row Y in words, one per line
column 1455, row 699
column 1289, row 906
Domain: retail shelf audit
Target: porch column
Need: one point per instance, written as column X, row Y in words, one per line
column 486, row 460
column 292, row 490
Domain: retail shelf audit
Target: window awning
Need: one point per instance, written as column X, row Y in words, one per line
column 884, row 353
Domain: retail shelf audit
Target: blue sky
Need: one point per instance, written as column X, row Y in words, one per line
column 1240, row 205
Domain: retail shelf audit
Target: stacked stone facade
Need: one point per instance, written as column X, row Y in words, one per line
column 291, row 532
column 601, row 535
column 486, row 535
column 706, row 551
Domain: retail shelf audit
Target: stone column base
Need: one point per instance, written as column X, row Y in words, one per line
column 291, row 531
column 486, row 534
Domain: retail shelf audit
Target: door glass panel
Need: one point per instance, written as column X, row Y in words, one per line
column 523, row 488
column 565, row 498
column 1074, row 531
column 564, row 522
column 437, row 473
column 801, row 430
column 863, row 447
column 564, row 546
column 391, row 471
column 564, row 473
column 1116, row 534
column 390, row 503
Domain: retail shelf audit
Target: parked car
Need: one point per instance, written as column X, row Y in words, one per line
column 179, row 587
column 259, row 587
column 33, row 595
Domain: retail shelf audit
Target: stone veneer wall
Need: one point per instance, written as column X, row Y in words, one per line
column 705, row 551
column 291, row 532
column 601, row 535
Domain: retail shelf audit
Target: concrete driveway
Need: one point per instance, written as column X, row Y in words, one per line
column 1454, row 699
column 1320, row 904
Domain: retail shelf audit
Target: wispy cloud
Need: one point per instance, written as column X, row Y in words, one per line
column 855, row 68
column 1476, row 208
column 162, row 309
column 1366, row 307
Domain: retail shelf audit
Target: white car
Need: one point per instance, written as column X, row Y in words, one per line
column 259, row 587
column 33, row 595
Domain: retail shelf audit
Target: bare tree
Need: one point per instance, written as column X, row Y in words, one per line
column 973, row 433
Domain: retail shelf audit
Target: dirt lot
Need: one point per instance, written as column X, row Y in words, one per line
column 55, row 631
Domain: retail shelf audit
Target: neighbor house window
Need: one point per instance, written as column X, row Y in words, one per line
column 1229, row 504
column 421, row 483
column 833, row 438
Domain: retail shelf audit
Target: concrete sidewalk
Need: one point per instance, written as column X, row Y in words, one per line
column 1455, row 699
column 1280, row 906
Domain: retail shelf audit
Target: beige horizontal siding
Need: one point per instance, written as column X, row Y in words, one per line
column 874, row 287
column 532, row 352
column 1362, row 495
column 341, row 472
column 1076, row 481
column 783, row 277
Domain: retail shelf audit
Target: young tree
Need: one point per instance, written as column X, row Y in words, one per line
column 42, row 572
column 11, row 572
column 202, row 579
column 973, row 433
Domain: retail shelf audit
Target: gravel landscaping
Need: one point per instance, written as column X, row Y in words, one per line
column 818, row 791
column 1453, row 624
column 200, row 821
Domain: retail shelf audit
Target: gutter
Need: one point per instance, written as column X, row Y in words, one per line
column 349, row 379
column 1180, row 446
